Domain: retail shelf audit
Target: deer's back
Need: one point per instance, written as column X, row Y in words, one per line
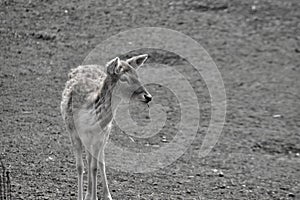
column 85, row 82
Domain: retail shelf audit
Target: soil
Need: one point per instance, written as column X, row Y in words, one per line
column 256, row 46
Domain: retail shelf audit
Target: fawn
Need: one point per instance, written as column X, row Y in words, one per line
column 89, row 125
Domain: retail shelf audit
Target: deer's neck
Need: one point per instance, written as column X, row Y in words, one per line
column 103, row 104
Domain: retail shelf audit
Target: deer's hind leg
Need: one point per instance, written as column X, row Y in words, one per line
column 78, row 150
column 89, row 187
column 93, row 169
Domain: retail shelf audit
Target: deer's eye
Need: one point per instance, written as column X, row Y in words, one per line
column 124, row 78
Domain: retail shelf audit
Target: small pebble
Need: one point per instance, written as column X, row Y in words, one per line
column 291, row 195
column 164, row 140
column 221, row 174
column 49, row 158
column 223, row 186
column 253, row 8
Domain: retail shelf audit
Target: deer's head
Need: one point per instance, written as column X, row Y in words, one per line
column 124, row 72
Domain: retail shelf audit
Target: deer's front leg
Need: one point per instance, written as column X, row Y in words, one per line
column 106, row 193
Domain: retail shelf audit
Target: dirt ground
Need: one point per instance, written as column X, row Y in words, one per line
column 256, row 45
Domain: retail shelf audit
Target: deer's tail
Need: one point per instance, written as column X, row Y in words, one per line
column 66, row 106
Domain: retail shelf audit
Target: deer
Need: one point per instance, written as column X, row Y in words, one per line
column 91, row 88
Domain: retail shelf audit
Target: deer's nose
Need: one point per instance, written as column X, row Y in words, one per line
column 148, row 97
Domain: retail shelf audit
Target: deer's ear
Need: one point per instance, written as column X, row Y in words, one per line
column 137, row 61
column 114, row 67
